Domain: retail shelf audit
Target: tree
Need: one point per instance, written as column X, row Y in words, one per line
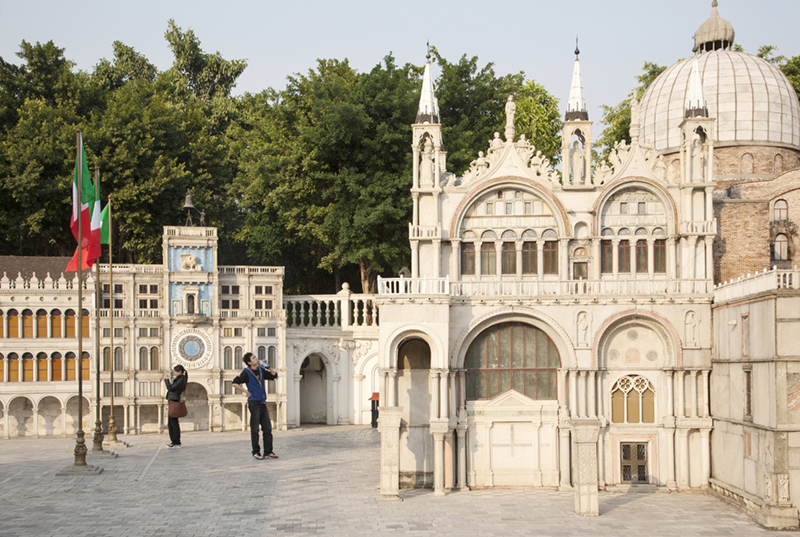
column 789, row 66
column 208, row 75
column 618, row 118
column 539, row 120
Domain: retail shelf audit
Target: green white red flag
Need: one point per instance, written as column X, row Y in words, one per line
column 86, row 199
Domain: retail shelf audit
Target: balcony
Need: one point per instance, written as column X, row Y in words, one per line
column 708, row 227
column 424, row 232
column 413, row 286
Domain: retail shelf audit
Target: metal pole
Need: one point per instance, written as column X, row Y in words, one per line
column 98, row 424
column 112, row 424
column 80, row 444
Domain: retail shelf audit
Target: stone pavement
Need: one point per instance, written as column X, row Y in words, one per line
column 325, row 482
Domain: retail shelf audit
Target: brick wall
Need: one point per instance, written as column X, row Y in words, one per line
column 742, row 245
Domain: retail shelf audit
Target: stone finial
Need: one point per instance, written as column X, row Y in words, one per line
column 428, row 111
column 576, row 106
column 714, row 34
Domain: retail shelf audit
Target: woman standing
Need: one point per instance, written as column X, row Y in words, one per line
column 175, row 388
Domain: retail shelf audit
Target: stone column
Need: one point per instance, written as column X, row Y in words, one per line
column 444, row 410
column 695, row 401
column 692, row 253
column 573, row 403
column 670, row 433
column 681, row 410
column 36, row 420
column 582, row 400
column 705, row 456
column 670, row 392
column 438, row 430
column 391, row 400
column 5, row 326
column 415, row 213
column 671, row 258
column 682, row 461
column 498, row 257
column 584, row 466
column 601, row 457
column 453, row 400
column 651, row 249
column 433, row 383
column 415, row 259
column 632, row 243
column 596, row 241
column 564, row 452
column 296, row 397
column 449, row 447
column 518, row 254
column 592, row 394
column 437, row 258
column 540, row 258
column 389, row 427
column 478, row 260
column 709, row 257
column 563, row 256
column 455, row 260
column 63, row 421
column 461, row 431
column 615, row 257
column 706, row 408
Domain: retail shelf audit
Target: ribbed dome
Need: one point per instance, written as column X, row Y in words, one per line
column 716, row 33
column 751, row 99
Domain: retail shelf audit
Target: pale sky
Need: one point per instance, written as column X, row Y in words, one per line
column 281, row 38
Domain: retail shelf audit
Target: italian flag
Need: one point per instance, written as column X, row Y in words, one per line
column 86, row 201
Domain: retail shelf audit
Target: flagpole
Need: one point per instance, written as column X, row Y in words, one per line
column 98, row 424
column 80, row 444
column 112, row 424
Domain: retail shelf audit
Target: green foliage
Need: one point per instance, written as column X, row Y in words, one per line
column 208, row 75
column 471, row 106
column 618, row 118
column 789, row 66
column 539, row 120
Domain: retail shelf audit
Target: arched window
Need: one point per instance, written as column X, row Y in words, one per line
column 780, row 250
column 27, row 324
column 27, row 367
column 747, row 164
column 550, row 252
column 262, row 354
column 55, row 323
column 56, row 365
column 624, row 256
column 509, row 261
column 70, row 325
column 271, row 356
column 143, row 363
column 41, row 366
column 780, row 211
column 2, row 368
column 13, row 324
column 85, row 324
column 228, row 358
column 633, row 401
column 488, row 258
column 237, row 358
column 41, row 323
column 468, row 258
column 13, row 367
column 85, row 366
column 69, row 360
column 512, row 356
column 154, row 365
column 118, row 365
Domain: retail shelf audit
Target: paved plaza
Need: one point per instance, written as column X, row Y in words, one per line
column 325, row 482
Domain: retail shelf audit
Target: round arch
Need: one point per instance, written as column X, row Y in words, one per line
column 649, row 185
column 558, row 210
column 433, row 340
column 529, row 316
column 663, row 328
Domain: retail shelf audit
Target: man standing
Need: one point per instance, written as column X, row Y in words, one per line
column 253, row 377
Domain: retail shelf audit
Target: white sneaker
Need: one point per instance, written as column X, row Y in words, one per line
column 174, row 446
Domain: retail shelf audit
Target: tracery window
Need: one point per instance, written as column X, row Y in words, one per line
column 633, row 400
column 512, row 356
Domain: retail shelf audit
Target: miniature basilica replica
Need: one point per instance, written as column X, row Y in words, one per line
column 607, row 326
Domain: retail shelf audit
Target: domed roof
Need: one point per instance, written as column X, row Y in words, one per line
column 751, row 99
column 715, row 33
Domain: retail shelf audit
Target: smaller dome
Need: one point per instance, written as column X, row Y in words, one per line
column 714, row 34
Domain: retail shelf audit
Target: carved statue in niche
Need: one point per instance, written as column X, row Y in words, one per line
column 511, row 109
column 576, row 161
column 660, row 168
column 583, row 328
column 691, row 328
column 697, row 160
column 426, row 166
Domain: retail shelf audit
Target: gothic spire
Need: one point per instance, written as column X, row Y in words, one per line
column 428, row 111
column 695, row 99
column 576, row 107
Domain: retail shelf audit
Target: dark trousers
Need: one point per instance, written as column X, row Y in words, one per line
column 174, row 430
column 260, row 417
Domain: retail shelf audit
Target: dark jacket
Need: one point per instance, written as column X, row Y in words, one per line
column 175, row 388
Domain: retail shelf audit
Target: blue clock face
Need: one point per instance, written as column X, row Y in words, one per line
column 192, row 348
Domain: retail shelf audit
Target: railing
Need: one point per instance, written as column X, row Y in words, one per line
column 330, row 311
column 229, row 313
column 424, row 232
column 267, row 313
column 555, row 289
column 185, row 231
column 148, row 313
column 769, row 280
column 708, row 227
column 117, row 313
column 250, row 270
column 413, row 286
column 130, row 268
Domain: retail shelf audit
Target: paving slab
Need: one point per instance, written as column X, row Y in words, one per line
column 324, row 483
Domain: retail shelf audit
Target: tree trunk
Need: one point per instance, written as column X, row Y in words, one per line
column 369, row 278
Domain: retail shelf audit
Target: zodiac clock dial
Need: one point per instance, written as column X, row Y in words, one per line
column 191, row 348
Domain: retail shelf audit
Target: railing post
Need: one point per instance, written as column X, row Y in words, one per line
column 344, row 300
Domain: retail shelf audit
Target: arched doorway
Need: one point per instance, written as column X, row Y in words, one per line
column 49, row 409
column 20, row 417
column 314, row 390
column 196, row 399
column 414, row 396
column 72, row 415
